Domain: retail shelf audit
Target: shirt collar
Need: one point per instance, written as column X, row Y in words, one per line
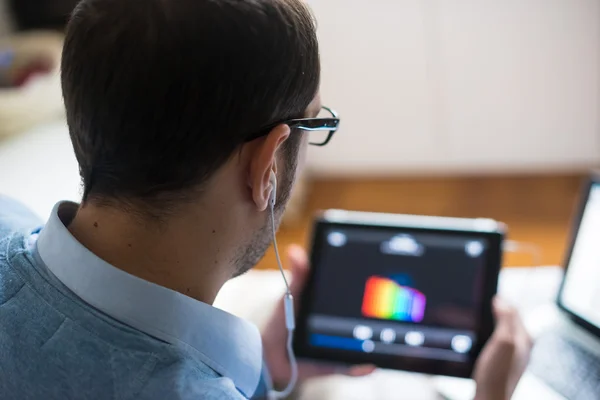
column 229, row 345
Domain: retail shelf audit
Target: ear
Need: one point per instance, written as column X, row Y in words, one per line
column 263, row 162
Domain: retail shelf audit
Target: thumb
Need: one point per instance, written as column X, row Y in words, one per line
column 500, row 307
column 506, row 317
column 298, row 262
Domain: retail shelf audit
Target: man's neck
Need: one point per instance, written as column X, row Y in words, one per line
column 189, row 253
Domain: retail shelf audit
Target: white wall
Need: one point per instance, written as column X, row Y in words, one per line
column 461, row 86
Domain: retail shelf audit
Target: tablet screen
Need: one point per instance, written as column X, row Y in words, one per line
column 403, row 293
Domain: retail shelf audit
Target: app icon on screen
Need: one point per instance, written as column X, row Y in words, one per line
column 461, row 343
column 386, row 299
column 414, row 338
column 474, row 248
column 337, row 239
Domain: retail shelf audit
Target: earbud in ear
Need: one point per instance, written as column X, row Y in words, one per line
column 273, row 181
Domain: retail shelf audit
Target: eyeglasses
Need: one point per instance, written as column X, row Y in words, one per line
column 321, row 128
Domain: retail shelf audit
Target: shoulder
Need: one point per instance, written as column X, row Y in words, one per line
column 189, row 380
column 209, row 389
column 14, row 216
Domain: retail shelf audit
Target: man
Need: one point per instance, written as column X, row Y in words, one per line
column 179, row 111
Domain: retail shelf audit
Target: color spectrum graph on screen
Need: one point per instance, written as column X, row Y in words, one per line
column 386, row 299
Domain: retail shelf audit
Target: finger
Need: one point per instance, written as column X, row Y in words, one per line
column 501, row 307
column 507, row 319
column 525, row 340
column 361, row 370
column 311, row 370
column 297, row 257
column 298, row 262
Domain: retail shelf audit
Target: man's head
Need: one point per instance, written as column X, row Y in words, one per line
column 161, row 97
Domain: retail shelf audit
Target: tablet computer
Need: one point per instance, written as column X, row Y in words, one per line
column 404, row 292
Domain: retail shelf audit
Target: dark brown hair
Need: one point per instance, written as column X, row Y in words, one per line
column 159, row 94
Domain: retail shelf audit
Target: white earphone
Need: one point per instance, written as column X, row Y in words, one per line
column 288, row 301
column 273, row 181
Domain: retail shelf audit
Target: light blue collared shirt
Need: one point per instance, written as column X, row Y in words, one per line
column 73, row 326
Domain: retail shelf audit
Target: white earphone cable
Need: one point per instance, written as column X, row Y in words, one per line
column 289, row 320
column 279, row 264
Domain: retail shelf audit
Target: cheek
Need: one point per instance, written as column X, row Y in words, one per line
column 302, row 153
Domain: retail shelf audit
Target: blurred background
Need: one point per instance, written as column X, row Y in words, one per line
column 470, row 108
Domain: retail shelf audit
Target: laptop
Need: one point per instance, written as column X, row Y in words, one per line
column 566, row 356
column 565, row 361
